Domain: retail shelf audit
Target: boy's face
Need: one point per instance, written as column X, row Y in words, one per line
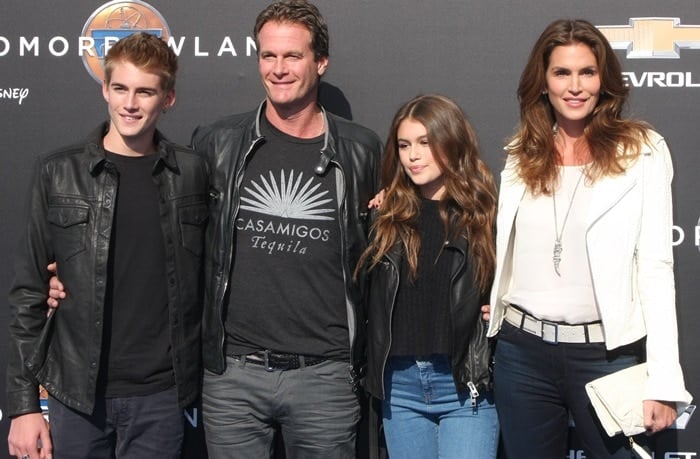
column 135, row 100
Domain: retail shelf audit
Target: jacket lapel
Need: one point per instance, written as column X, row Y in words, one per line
column 608, row 191
column 512, row 191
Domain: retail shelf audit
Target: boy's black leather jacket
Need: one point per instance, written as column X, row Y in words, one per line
column 70, row 216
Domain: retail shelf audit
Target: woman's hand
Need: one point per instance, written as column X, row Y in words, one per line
column 486, row 312
column 658, row 415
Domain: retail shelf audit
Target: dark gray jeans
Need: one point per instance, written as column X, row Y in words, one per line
column 314, row 408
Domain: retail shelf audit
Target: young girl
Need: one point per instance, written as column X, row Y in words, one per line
column 430, row 265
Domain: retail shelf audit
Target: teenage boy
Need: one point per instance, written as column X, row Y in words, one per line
column 123, row 214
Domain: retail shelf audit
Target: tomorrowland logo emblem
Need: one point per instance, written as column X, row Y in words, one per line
column 113, row 21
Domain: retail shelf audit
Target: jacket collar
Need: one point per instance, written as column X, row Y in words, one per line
column 260, row 112
column 606, row 192
column 98, row 158
column 456, row 240
column 328, row 136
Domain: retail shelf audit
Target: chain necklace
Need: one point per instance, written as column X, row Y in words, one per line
column 556, row 253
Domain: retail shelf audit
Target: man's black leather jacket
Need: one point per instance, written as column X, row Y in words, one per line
column 70, row 216
column 353, row 151
column 471, row 351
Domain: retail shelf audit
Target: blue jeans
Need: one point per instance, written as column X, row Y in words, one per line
column 538, row 385
column 123, row 427
column 425, row 417
column 314, row 407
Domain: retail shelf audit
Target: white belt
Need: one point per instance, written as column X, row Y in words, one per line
column 554, row 332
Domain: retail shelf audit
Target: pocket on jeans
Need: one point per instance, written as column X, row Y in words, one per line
column 507, row 331
column 331, row 371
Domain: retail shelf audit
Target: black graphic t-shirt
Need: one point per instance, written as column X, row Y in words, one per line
column 287, row 291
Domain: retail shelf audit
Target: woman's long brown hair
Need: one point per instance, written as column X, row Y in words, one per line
column 606, row 133
column 468, row 206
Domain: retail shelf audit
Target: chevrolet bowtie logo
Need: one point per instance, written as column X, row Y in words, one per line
column 656, row 38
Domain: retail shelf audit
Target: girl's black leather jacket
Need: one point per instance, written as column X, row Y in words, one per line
column 471, row 352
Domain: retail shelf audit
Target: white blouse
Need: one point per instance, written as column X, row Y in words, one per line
column 535, row 286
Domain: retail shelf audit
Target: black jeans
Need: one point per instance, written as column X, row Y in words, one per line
column 125, row 427
column 538, row 385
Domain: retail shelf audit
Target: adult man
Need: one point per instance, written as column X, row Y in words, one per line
column 288, row 221
column 123, row 213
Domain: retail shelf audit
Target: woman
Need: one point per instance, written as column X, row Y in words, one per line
column 430, row 266
column 584, row 281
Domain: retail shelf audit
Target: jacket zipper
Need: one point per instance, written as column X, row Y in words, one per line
column 224, row 285
column 395, row 270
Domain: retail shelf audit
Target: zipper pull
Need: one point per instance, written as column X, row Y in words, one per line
column 473, row 393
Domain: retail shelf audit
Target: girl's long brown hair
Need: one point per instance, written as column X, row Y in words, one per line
column 468, row 206
column 606, row 133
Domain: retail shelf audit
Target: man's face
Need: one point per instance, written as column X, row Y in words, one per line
column 289, row 71
column 135, row 101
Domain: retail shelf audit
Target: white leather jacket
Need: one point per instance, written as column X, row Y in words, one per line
column 628, row 240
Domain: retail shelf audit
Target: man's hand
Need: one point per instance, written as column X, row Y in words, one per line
column 56, row 290
column 26, row 431
column 376, row 201
column 658, row 415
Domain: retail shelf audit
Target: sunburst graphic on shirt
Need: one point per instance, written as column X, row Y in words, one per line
column 291, row 197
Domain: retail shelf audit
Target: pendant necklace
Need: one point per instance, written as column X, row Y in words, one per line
column 556, row 253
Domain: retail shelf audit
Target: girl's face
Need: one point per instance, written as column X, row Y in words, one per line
column 417, row 159
column 573, row 84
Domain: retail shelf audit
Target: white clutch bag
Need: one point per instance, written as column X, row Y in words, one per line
column 618, row 401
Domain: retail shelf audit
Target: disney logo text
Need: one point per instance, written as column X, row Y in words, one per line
column 18, row 94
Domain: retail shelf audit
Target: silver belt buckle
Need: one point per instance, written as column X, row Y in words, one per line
column 266, row 362
column 550, row 332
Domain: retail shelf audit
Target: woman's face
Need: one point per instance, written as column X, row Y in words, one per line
column 417, row 159
column 573, row 84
